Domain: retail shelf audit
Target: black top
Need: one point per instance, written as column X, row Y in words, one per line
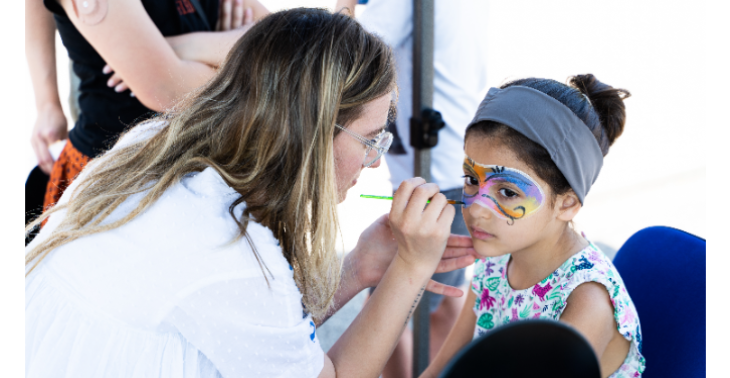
column 104, row 113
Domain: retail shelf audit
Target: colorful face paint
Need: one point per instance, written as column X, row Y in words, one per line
column 509, row 193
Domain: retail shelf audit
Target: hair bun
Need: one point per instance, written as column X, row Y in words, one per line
column 607, row 101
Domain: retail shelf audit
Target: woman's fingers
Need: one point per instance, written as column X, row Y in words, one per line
column 436, row 207
column 226, row 10
column 113, row 81
column 403, row 194
column 238, row 11
column 460, row 245
column 451, row 264
column 439, row 288
column 45, row 160
column 459, row 241
column 453, row 252
column 419, row 197
column 248, row 17
column 117, row 83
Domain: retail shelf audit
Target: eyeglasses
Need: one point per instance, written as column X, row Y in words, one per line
column 375, row 147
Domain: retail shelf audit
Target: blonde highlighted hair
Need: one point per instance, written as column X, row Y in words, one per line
column 266, row 124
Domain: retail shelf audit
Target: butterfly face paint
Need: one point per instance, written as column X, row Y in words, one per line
column 509, row 193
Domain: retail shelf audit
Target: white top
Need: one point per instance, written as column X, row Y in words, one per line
column 168, row 295
column 460, row 80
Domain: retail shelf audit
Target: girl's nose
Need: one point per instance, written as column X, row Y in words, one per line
column 479, row 211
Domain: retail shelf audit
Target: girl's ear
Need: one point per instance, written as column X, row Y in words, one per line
column 567, row 206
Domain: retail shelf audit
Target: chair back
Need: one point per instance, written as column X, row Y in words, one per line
column 664, row 272
column 527, row 348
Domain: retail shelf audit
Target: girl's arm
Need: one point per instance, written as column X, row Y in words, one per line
column 460, row 335
column 40, row 51
column 590, row 311
column 123, row 34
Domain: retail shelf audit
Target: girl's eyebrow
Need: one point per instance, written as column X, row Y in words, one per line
column 469, row 169
column 510, row 177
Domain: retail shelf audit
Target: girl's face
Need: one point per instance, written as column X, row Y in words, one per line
column 349, row 152
column 495, row 213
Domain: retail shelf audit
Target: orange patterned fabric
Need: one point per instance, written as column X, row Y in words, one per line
column 65, row 170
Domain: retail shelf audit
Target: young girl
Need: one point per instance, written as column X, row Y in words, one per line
column 533, row 151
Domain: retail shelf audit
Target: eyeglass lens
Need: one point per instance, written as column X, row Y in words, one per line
column 382, row 143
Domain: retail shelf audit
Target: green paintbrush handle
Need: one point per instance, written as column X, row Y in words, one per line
column 453, row 202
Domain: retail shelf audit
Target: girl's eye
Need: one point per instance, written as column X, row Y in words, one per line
column 468, row 180
column 508, row 193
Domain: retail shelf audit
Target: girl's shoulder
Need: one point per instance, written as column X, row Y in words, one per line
column 590, row 265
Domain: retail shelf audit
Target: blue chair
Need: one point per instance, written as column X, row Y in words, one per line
column 664, row 271
column 528, row 348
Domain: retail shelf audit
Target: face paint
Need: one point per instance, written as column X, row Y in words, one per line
column 509, row 193
column 91, row 12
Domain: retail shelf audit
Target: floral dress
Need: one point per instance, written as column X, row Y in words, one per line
column 497, row 303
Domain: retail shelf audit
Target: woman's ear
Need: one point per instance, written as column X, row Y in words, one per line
column 567, row 206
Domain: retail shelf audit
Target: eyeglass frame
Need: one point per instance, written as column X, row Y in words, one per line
column 371, row 144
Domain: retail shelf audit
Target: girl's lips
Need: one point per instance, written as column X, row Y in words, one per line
column 481, row 234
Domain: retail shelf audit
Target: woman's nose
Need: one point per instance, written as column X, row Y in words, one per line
column 377, row 163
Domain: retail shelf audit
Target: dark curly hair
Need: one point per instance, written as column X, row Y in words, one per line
column 598, row 105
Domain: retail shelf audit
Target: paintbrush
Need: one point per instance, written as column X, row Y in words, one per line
column 453, row 202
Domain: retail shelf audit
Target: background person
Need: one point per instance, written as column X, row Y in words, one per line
column 202, row 244
column 459, row 83
column 130, row 38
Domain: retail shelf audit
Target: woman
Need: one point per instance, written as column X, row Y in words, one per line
column 202, row 244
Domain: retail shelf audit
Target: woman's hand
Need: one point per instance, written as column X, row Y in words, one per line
column 50, row 127
column 115, row 81
column 231, row 15
column 421, row 233
column 420, row 229
column 377, row 246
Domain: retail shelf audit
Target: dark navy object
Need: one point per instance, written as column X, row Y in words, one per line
column 559, row 351
column 664, row 271
column 425, row 130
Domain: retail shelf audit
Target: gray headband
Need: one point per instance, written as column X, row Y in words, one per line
column 549, row 123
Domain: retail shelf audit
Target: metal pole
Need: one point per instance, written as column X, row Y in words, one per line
column 423, row 23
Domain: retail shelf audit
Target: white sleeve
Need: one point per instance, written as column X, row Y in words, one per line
column 247, row 329
column 391, row 20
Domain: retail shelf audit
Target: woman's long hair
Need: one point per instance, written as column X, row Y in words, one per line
column 265, row 123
